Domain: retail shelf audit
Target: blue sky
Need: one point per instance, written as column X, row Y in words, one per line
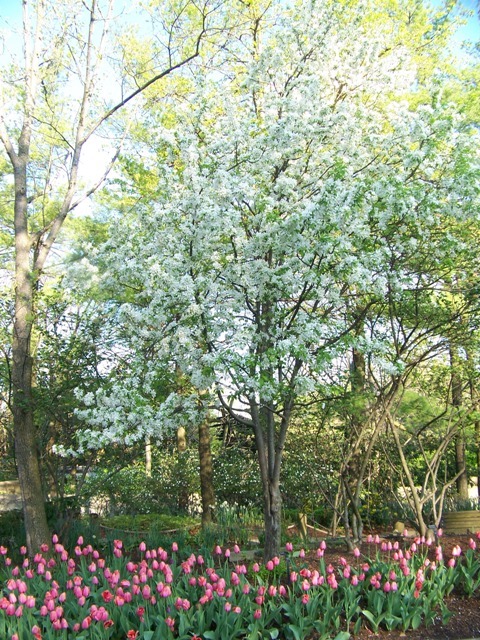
column 469, row 31
column 10, row 9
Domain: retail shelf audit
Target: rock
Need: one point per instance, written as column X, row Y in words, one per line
column 399, row 528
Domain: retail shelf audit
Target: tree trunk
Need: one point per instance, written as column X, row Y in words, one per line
column 457, row 401
column 460, row 463
column 183, row 494
column 354, row 469
column 270, row 451
column 148, row 457
column 272, row 510
column 26, row 450
column 206, row 472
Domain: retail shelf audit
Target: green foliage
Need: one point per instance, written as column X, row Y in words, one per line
column 235, row 472
column 170, row 488
column 152, row 521
column 236, row 523
column 12, row 530
column 454, row 503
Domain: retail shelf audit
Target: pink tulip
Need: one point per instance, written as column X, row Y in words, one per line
column 86, row 622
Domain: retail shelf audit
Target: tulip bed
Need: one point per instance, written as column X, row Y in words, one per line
column 155, row 594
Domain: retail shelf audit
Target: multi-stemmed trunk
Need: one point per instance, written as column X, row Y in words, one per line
column 270, row 442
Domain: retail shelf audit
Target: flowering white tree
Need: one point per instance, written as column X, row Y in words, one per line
column 281, row 179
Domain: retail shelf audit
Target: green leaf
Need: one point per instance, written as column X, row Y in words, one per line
column 297, row 632
column 416, row 620
column 357, row 627
column 273, row 633
column 343, row 635
column 369, row 615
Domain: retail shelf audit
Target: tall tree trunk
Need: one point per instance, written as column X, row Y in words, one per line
column 358, row 424
column 457, row 401
column 206, row 472
column 26, row 450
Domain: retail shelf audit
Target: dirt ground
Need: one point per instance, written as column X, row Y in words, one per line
column 464, row 623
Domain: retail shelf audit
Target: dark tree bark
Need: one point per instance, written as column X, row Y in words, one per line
column 206, row 472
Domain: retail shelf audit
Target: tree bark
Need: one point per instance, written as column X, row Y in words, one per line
column 26, row 449
column 272, row 511
column 206, row 472
column 148, row 457
column 460, row 445
column 183, row 494
column 358, row 424
column 270, row 442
